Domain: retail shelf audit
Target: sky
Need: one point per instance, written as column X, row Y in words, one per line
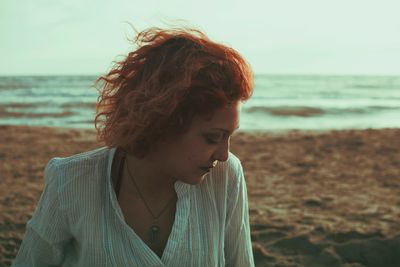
column 335, row 37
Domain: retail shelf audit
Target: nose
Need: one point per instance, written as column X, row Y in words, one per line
column 222, row 152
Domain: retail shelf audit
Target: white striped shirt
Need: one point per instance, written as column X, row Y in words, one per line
column 78, row 221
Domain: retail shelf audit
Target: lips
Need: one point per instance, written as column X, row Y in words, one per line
column 208, row 168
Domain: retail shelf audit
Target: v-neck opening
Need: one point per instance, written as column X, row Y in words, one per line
column 180, row 221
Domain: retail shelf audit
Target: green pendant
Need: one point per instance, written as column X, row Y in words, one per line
column 154, row 234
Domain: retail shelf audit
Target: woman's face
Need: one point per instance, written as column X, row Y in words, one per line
column 206, row 142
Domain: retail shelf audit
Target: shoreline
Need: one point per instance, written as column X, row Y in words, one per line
column 314, row 197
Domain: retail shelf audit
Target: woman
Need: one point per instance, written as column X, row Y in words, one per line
column 165, row 191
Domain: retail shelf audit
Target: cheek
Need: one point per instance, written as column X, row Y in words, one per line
column 192, row 159
column 194, row 153
column 199, row 156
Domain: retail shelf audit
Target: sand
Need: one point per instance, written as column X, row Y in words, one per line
column 315, row 199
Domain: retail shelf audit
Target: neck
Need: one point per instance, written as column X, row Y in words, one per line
column 149, row 176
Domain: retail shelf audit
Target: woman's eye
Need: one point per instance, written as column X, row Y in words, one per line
column 211, row 141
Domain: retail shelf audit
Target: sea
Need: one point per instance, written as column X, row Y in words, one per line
column 279, row 102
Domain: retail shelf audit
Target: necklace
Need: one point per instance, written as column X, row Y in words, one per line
column 154, row 232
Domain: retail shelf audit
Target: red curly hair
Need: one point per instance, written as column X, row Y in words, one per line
column 155, row 92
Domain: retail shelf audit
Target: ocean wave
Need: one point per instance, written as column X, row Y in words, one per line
column 360, row 110
column 303, row 111
column 286, row 111
column 36, row 105
column 84, row 105
column 14, row 114
column 13, row 85
column 366, row 86
column 20, row 105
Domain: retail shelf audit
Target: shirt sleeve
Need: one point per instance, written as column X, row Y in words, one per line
column 238, row 247
column 47, row 231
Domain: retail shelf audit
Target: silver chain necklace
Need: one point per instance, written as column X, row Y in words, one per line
column 154, row 232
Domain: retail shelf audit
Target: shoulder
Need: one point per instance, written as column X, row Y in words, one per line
column 233, row 163
column 78, row 178
column 231, row 169
column 235, row 173
column 81, row 158
column 226, row 176
column 86, row 164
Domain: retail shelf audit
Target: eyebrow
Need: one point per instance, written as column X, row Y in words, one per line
column 225, row 130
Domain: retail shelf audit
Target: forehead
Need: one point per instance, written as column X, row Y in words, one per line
column 226, row 118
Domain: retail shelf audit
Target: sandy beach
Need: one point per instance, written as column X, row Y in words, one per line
column 316, row 199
